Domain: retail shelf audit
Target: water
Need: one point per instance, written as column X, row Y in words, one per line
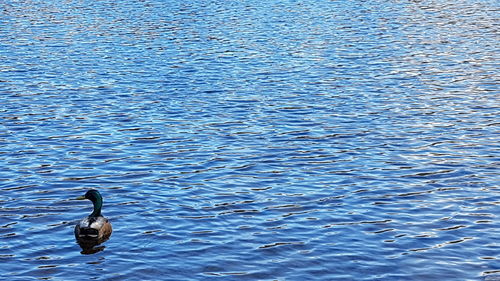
column 251, row 140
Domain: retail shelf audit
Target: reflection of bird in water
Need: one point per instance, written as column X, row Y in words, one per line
column 94, row 229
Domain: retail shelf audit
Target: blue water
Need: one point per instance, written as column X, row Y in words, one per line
column 251, row 140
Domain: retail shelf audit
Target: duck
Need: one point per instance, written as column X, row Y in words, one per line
column 95, row 228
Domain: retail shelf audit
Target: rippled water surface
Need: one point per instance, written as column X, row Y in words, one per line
column 251, row 140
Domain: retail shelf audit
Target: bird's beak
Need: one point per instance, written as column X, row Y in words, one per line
column 80, row 198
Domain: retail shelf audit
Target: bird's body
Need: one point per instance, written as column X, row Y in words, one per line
column 95, row 228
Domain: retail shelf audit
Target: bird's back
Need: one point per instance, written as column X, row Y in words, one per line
column 93, row 228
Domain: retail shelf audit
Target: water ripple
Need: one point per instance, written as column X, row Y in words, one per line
column 329, row 140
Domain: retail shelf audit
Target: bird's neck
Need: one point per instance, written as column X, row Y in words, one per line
column 97, row 208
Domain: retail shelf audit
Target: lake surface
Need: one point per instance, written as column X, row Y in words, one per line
column 251, row 140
